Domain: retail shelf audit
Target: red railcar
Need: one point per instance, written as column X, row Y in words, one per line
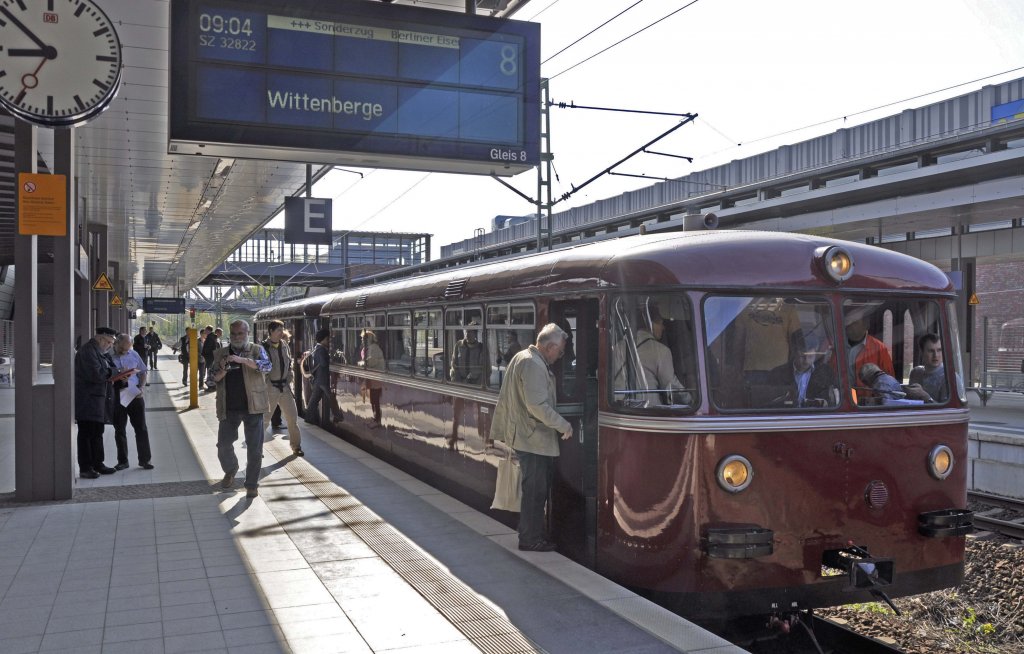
column 752, row 473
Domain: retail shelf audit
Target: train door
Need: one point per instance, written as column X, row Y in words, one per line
column 574, row 497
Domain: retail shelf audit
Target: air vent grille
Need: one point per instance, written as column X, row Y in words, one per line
column 361, row 302
column 455, row 289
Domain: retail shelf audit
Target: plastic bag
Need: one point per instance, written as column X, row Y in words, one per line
column 508, row 489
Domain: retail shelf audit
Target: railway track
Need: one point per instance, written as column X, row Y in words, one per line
column 811, row 634
column 1010, row 528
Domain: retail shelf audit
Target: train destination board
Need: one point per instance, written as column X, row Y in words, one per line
column 354, row 83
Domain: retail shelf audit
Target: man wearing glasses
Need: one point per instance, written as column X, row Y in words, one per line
column 240, row 370
column 94, row 394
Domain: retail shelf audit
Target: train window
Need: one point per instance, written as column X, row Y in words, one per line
column 467, row 346
column 399, row 343
column 768, row 352
column 338, row 340
column 894, row 352
column 354, row 325
column 510, row 328
column 429, row 349
column 653, row 354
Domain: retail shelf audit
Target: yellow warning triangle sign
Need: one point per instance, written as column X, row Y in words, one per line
column 974, row 299
column 102, row 283
column 116, row 301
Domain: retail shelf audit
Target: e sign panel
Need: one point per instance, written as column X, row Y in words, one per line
column 308, row 220
column 354, row 83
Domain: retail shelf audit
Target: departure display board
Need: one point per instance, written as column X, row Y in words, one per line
column 354, row 83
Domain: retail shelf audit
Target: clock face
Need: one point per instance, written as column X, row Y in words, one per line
column 60, row 60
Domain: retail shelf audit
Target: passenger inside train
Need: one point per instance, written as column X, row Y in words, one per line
column 649, row 369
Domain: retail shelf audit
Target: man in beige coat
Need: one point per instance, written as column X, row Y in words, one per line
column 526, row 420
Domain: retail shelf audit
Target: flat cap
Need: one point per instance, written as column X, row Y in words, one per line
column 106, row 331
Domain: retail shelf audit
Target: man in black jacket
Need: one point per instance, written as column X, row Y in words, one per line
column 94, row 397
column 210, row 346
column 321, row 371
column 155, row 345
column 803, row 381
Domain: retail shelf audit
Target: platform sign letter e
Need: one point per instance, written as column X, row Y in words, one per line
column 307, row 220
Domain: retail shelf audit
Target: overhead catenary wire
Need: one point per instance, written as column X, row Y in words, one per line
column 591, row 31
column 624, row 39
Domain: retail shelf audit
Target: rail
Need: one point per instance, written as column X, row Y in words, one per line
column 1011, row 528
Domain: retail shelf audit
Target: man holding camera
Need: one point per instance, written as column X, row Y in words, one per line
column 129, row 405
column 240, row 370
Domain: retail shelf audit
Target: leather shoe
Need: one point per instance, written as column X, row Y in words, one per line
column 120, row 466
column 229, row 479
column 105, row 470
column 539, row 546
column 147, row 466
column 298, row 452
column 251, row 493
column 88, row 474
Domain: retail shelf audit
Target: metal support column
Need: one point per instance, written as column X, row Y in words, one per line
column 97, row 265
column 544, row 199
column 26, row 351
column 54, row 475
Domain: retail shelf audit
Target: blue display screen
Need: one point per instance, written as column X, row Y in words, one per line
column 363, row 76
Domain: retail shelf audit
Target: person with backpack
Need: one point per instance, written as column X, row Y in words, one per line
column 280, row 378
column 319, row 365
column 211, row 345
column 154, row 344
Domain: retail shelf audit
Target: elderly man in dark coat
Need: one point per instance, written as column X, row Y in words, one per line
column 94, row 397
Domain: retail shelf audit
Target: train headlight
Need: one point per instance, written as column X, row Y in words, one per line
column 734, row 473
column 837, row 262
column 941, row 461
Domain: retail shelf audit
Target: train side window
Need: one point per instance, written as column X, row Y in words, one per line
column 466, row 345
column 510, row 328
column 769, row 352
column 354, row 325
column 653, row 353
column 338, row 340
column 398, row 348
column 895, row 352
column 429, row 348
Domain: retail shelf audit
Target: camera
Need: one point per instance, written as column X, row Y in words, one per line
column 232, row 365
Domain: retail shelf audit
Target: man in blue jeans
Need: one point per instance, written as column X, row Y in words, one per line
column 240, row 370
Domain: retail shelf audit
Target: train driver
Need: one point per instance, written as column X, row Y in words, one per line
column 802, row 382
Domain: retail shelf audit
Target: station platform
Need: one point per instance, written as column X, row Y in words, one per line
column 340, row 552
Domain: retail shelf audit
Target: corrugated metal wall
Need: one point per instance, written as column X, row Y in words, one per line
column 911, row 127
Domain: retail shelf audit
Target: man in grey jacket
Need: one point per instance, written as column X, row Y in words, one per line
column 525, row 419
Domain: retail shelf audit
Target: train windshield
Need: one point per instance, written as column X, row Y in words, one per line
column 653, row 353
column 771, row 352
column 895, row 352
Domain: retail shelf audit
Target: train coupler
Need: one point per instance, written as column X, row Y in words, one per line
column 864, row 572
column 945, row 523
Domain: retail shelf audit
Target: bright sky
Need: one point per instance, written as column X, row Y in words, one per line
column 751, row 69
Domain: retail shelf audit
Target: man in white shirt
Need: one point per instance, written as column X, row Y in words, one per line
column 129, row 405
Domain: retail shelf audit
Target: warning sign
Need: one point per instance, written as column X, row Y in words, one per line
column 974, row 299
column 116, row 301
column 42, row 205
column 102, row 283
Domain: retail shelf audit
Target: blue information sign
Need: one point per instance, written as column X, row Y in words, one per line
column 355, row 83
column 163, row 305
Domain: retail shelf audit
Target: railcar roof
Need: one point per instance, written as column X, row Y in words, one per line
column 727, row 259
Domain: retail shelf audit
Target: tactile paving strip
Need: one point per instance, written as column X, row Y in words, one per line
column 478, row 620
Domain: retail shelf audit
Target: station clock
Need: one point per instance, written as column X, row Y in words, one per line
column 60, row 61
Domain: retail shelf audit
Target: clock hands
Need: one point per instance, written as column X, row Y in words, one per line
column 48, row 52
column 29, row 33
column 29, row 81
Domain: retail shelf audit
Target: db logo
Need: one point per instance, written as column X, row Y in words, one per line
column 30, row 187
column 49, row 17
